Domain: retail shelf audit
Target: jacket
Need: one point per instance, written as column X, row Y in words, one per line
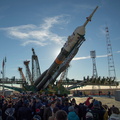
column 73, row 116
column 114, row 117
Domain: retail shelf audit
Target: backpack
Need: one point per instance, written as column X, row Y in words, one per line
column 98, row 114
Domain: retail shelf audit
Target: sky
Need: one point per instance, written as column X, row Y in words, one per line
column 45, row 26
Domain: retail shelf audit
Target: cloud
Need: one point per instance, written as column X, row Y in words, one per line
column 81, row 58
column 100, row 56
column 118, row 51
column 38, row 35
column 33, row 42
column 88, row 57
column 18, row 34
column 49, row 22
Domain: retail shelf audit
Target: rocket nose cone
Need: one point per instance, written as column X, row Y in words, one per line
column 80, row 30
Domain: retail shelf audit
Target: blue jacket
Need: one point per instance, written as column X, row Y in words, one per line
column 73, row 116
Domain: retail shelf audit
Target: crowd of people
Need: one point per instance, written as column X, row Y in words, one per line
column 34, row 106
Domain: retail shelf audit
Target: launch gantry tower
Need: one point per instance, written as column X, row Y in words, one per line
column 28, row 72
column 21, row 74
column 35, row 66
column 63, row 76
column 95, row 74
column 93, row 56
column 111, row 67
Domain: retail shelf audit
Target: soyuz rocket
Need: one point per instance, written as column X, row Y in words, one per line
column 68, row 51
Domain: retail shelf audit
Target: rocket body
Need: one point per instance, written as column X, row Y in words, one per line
column 79, row 31
column 64, row 53
column 68, row 51
column 68, row 46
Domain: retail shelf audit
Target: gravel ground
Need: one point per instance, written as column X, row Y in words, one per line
column 105, row 100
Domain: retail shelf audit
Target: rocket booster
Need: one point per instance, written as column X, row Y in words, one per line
column 74, row 40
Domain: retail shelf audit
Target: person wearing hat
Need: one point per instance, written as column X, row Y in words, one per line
column 61, row 115
column 96, row 104
column 89, row 116
column 49, row 110
column 115, row 114
column 72, row 115
column 98, row 113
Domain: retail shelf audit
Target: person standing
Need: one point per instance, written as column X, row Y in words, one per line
column 61, row 115
column 98, row 113
column 115, row 114
column 24, row 112
column 49, row 110
column 53, row 114
column 72, row 115
column 109, row 94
